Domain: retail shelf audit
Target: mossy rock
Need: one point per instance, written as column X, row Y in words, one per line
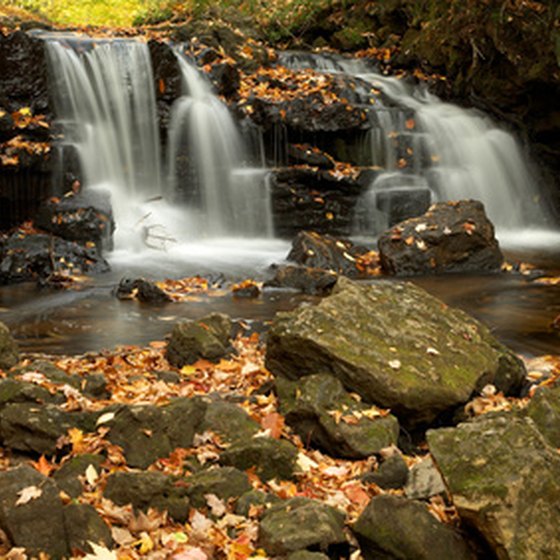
column 396, row 346
column 16, row 391
column 229, row 421
column 544, row 410
column 224, row 482
column 67, row 477
column 9, row 354
column 84, row 526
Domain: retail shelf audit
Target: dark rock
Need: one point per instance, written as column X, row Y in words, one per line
column 86, row 216
column 311, row 199
column 37, row 427
column 311, row 405
column 208, row 338
column 67, row 477
column 400, row 204
column 312, row 281
column 504, row 480
column 272, row 458
column 15, row 391
column 166, row 69
column 9, row 354
column 394, row 527
column 326, row 252
column 424, row 481
column 306, row 555
column 146, row 490
column 225, row 78
column 142, row 290
column 229, row 421
column 544, row 410
column 224, row 482
column 309, row 155
column 417, row 364
column 37, row 256
column 450, row 237
column 51, row 372
column 37, row 525
column 83, row 526
column 147, row 433
column 168, row 376
column 255, row 498
column 392, row 473
column 300, row 523
column 95, row 386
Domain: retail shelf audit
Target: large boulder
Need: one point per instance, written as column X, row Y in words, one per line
column 450, row 237
column 396, row 346
column 394, row 527
column 324, row 414
column 505, row 482
column 312, row 281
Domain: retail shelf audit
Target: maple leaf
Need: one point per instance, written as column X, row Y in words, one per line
column 274, row 423
column 28, row 494
column 100, row 553
column 43, row 466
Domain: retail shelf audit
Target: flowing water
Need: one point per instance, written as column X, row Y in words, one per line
column 207, row 209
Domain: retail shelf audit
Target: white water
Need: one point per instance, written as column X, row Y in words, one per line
column 459, row 153
column 104, row 95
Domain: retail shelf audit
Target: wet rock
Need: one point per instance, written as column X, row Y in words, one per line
column 37, row 525
column 229, row 421
column 166, row 69
column 37, row 427
column 83, row 526
column 392, row 473
column 400, row 204
column 311, row 199
column 225, row 78
column 450, row 237
column 394, row 527
column 271, row 458
column 417, row 364
column 544, row 410
column 146, row 490
column 208, row 338
column 424, row 481
column 37, row 256
column 142, row 290
column 9, row 354
column 504, row 480
column 67, row 477
column 298, row 524
column 147, row 433
column 324, row 414
column 326, row 252
column 224, row 482
column 307, row 154
column 86, row 216
column 312, row 281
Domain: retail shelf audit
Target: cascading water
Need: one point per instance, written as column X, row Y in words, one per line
column 457, row 153
column 234, row 198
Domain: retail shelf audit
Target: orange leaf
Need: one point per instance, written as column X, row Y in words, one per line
column 410, row 124
column 356, row 494
column 43, row 466
column 161, row 86
column 273, row 422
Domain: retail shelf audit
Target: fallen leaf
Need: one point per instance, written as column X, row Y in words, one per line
column 216, row 505
column 28, row 494
column 100, row 553
column 273, row 422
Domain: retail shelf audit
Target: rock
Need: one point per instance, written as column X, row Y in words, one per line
column 38, row 524
column 208, row 338
column 83, row 526
column 306, row 154
column 9, row 354
column 317, row 407
column 312, row 281
column 50, row 372
column 450, row 237
column 15, row 391
column 424, row 481
column 37, row 428
column 37, row 256
column 254, row 498
column 394, row 527
column 146, row 490
column 300, row 523
column 86, row 216
column 417, row 364
column 142, row 290
column 67, row 477
column 317, row 200
column 391, row 474
column 147, row 433
column 328, row 253
column 505, row 482
column 400, row 204
column 272, row 458
column 544, row 410
column 229, row 421
column 306, row 555
column 224, row 482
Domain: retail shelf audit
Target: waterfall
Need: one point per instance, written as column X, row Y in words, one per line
column 233, row 198
column 421, row 142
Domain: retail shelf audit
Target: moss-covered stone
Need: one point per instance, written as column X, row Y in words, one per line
column 84, row 526
column 67, row 477
column 229, row 421
column 254, row 498
column 395, row 345
column 224, row 482
column 544, row 409
column 9, row 354
column 317, row 407
column 505, row 481
column 298, row 524
column 394, row 527
column 15, row 391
